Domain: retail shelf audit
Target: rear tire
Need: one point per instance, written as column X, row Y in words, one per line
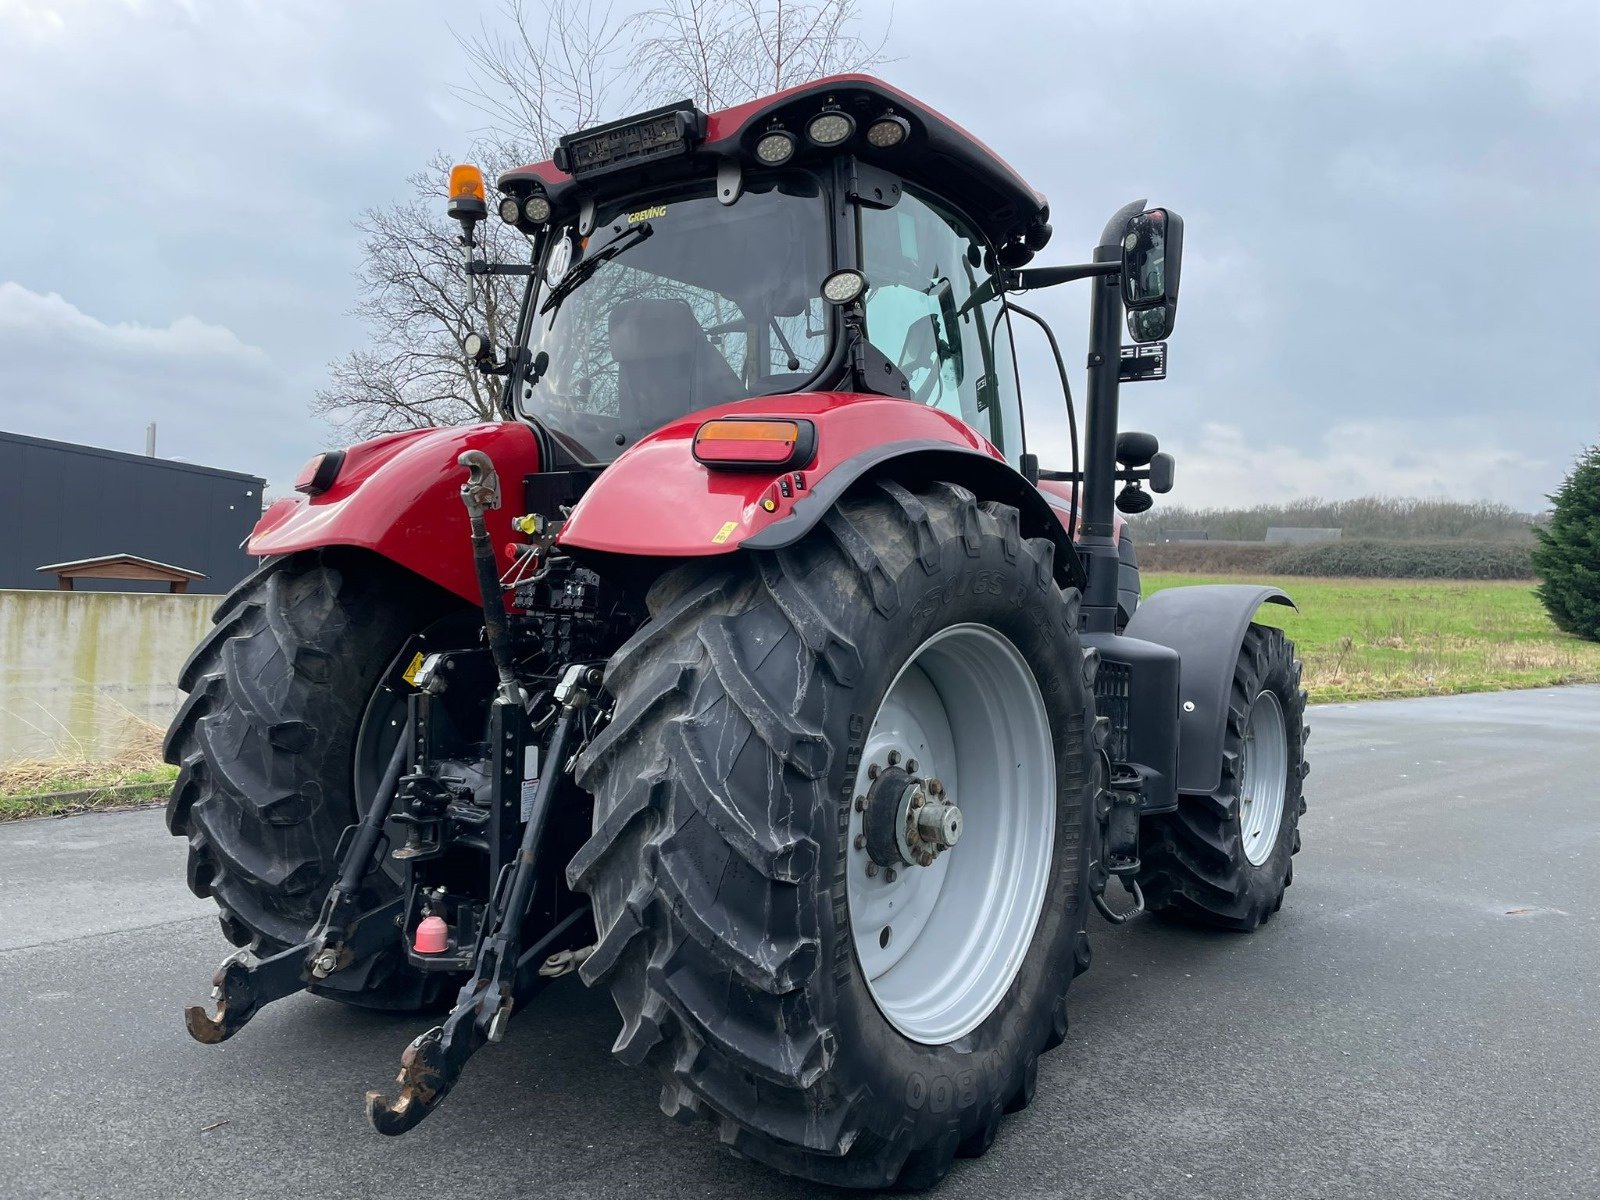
column 265, row 746
column 1224, row 859
column 723, row 863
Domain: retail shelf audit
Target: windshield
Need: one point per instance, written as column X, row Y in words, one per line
column 675, row 303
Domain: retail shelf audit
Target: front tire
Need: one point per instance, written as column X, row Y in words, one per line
column 266, row 748
column 724, row 865
column 1224, row 859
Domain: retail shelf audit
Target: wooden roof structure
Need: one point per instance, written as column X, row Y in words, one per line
column 122, row 566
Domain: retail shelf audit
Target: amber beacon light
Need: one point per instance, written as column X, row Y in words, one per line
column 466, row 193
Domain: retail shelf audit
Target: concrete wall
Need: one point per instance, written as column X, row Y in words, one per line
column 83, row 673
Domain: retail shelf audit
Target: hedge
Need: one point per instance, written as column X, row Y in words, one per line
column 1407, row 560
column 1207, row 558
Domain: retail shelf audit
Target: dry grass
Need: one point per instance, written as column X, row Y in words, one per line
column 68, row 781
column 1369, row 638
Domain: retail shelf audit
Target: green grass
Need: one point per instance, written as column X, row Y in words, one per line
column 1367, row 638
column 54, row 788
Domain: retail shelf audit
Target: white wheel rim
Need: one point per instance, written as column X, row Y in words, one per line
column 1263, row 777
column 939, row 945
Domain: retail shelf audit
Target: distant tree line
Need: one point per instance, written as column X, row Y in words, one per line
column 1383, row 518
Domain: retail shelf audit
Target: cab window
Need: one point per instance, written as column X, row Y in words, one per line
column 923, row 263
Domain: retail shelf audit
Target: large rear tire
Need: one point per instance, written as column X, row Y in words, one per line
column 1224, row 859
column 266, row 748
column 739, row 927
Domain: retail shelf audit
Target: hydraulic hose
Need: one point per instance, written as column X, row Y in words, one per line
column 480, row 493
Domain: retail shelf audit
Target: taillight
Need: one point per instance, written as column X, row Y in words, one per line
column 754, row 442
column 318, row 474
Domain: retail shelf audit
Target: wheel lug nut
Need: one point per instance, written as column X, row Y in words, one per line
column 911, row 765
column 890, row 875
column 861, row 841
column 894, row 758
column 861, row 804
column 872, row 869
column 872, row 771
column 926, row 859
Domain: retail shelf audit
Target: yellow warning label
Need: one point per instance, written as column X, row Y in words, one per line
column 724, row 533
column 410, row 675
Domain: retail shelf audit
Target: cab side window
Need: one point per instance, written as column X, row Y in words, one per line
column 924, row 263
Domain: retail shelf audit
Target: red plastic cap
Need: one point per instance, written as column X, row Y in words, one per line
column 433, row 936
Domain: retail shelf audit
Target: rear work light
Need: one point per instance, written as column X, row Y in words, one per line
column 660, row 133
column 317, row 476
column 751, row 442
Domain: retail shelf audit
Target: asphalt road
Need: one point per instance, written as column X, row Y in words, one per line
column 1419, row 1021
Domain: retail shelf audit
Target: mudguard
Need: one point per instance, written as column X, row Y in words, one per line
column 657, row 501
column 400, row 496
column 1205, row 624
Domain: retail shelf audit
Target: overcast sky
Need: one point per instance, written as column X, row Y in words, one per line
column 1392, row 217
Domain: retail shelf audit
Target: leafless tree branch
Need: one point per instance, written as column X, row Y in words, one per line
column 545, row 68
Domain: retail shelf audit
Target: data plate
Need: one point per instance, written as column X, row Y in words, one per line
column 1140, row 363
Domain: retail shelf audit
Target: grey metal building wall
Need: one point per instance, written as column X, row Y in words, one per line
column 60, row 501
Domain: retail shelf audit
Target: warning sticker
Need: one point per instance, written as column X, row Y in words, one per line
column 410, row 673
column 723, row 534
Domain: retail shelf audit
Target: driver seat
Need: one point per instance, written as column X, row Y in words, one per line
column 666, row 366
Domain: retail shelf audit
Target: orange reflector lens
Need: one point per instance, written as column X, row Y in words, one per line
column 743, row 442
column 466, row 182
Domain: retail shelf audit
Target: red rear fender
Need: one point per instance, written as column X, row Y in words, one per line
column 400, row 496
column 657, row 501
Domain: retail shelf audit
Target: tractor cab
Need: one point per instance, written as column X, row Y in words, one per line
column 839, row 236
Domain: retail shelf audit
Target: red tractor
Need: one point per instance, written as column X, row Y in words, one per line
column 751, row 667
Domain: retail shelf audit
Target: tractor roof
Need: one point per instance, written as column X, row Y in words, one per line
column 939, row 155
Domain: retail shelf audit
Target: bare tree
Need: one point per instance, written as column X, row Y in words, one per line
column 723, row 52
column 415, row 371
column 548, row 67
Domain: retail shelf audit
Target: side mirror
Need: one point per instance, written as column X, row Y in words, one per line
column 1152, row 255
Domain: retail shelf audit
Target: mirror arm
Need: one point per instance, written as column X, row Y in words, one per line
column 479, row 267
column 1126, row 475
column 1038, row 277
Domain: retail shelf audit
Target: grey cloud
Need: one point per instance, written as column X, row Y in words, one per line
column 1386, row 206
column 72, row 377
column 1390, row 212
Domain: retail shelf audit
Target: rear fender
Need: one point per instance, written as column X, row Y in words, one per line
column 400, row 496
column 1205, row 624
column 656, row 501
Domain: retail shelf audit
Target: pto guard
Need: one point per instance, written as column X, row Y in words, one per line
column 400, row 496
column 656, row 501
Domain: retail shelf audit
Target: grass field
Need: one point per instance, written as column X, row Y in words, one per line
column 71, row 782
column 1364, row 639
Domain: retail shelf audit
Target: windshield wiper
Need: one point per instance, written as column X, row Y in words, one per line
column 579, row 274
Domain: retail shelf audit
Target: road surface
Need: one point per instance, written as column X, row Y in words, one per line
column 1421, row 1020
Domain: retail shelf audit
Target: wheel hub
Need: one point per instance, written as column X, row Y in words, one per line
column 940, row 935
column 907, row 821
